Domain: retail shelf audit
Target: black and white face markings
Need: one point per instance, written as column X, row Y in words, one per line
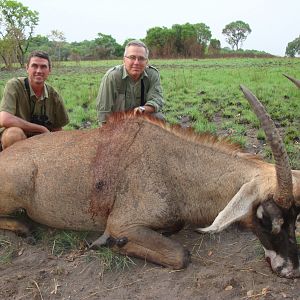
column 275, row 228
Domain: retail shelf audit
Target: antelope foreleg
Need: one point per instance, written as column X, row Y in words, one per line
column 150, row 245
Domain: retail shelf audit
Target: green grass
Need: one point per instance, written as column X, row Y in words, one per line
column 70, row 244
column 66, row 242
column 61, row 241
column 110, row 260
column 261, row 135
column 7, row 250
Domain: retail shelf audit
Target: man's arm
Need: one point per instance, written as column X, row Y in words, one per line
column 9, row 120
column 155, row 94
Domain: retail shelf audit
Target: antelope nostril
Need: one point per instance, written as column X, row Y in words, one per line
column 268, row 259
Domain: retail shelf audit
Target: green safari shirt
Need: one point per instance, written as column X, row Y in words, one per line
column 118, row 92
column 15, row 101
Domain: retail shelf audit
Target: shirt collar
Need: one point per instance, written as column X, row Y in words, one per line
column 44, row 96
column 125, row 73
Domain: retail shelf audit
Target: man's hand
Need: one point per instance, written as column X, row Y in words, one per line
column 41, row 128
column 138, row 110
column 143, row 109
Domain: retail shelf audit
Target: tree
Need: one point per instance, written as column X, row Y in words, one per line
column 203, row 36
column 7, row 51
column 203, row 33
column 214, row 47
column 187, row 42
column 158, row 40
column 17, row 24
column 106, row 46
column 236, row 33
column 183, row 40
column 293, row 48
column 58, row 38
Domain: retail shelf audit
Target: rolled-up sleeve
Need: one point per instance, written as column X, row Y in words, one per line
column 9, row 99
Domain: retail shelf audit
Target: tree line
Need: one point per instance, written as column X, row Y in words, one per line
column 17, row 23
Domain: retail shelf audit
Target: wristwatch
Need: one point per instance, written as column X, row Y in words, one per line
column 142, row 109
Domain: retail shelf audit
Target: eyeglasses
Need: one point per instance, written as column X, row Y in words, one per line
column 138, row 58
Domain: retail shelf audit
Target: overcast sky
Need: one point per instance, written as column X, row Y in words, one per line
column 274, row 23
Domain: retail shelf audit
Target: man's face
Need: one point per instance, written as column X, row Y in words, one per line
column 38, row 70
column 135, row 61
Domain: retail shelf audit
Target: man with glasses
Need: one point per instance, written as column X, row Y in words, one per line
column 135, row 85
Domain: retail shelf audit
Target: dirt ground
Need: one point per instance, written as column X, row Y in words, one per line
column 229, row 265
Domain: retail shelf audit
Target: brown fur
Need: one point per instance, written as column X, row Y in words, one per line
column 187, row 134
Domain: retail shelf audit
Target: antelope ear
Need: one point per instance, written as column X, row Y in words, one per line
column 238, row 207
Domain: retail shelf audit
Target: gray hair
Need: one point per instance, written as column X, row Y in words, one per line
column 137, row 43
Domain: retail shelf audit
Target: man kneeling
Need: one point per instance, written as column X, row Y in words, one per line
column 30, row 106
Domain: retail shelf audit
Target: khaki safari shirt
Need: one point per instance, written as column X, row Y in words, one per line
column 15, row 101
column 118, row 92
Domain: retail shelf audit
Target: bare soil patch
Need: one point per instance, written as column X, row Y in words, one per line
column 229, row 265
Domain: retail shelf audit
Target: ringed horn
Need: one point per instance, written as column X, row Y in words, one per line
column 284, row 194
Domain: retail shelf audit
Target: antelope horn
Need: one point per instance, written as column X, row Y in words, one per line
column 295, row 81
column 284, row 194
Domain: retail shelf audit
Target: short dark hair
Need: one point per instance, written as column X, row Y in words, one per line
column 137, row 43
column 41, row 54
